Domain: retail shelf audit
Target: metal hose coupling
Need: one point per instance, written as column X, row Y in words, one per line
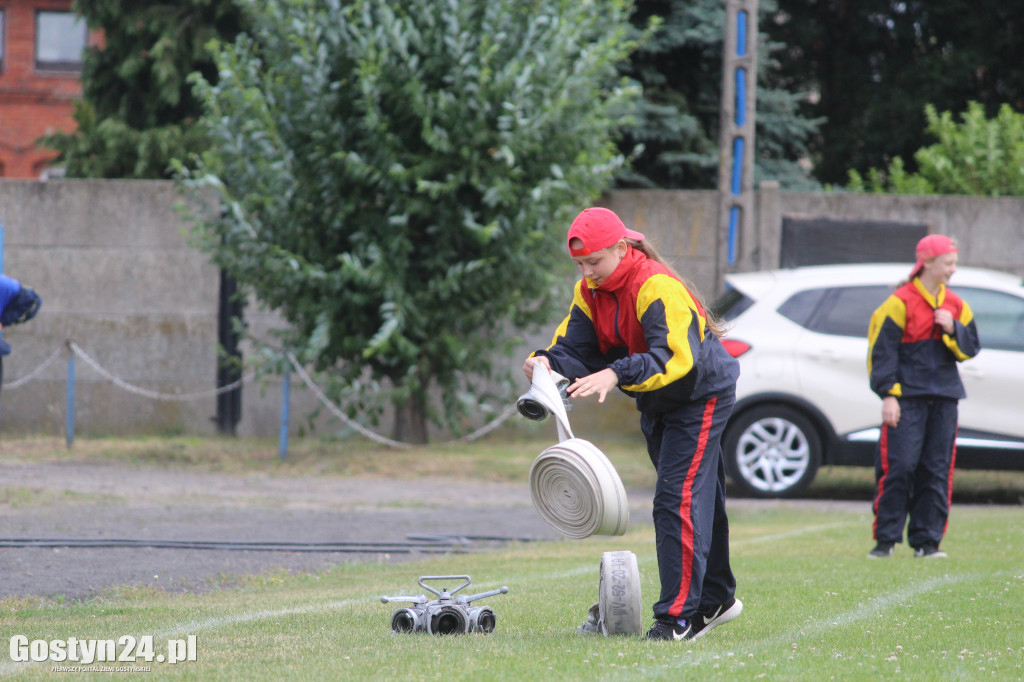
column 575, row 488
column 534, row 403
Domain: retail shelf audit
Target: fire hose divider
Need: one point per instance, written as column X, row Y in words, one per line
column 574, row 486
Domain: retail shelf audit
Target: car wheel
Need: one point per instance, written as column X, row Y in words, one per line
column 771, row 451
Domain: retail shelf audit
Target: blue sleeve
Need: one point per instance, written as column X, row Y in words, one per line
column 9, row 288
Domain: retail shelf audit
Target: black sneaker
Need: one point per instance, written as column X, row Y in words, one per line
column 705, row 620
column 593, row 623
column 929, row 552
column 883, row 550
column 668, row 628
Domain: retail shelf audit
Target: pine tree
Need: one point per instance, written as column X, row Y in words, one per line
column 677, row 121
column 138, row 110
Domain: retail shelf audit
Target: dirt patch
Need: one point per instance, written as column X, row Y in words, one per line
column 105, row 502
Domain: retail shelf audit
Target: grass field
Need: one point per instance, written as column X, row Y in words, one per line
column 815, row 607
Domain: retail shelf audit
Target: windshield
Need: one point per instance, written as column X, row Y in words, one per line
column 731, row 305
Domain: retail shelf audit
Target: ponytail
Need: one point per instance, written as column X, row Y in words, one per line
column 645, row 247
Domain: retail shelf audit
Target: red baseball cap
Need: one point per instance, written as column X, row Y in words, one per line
column 598, row 228
column 931, row 246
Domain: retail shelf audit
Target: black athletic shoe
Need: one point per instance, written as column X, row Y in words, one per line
column 929, row 552
column 668, row 628
column 883, row 550
column 710, row 618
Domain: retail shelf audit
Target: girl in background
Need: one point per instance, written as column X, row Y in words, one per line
column 916, row 338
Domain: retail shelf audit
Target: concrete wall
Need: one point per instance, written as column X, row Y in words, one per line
column 113, row 264
column 990, row 231
column 118, row 276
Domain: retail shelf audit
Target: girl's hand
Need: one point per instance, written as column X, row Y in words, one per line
column 891, row 411
column 528, row 365
column 600, row 383
column 944, row 319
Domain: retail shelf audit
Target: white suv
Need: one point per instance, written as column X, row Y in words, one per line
column 803, row 398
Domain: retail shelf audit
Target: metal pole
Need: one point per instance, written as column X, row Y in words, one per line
column 1, row 331
column 69, row 425
column 736, row 140
column 229, row 370
column 286, row 397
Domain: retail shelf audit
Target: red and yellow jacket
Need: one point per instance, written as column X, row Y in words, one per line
column 643, row 323
column 909, row 355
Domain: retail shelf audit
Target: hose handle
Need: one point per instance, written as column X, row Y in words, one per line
column 444, row 577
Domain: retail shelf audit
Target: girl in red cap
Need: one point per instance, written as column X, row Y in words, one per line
column 916, row 338
column 635, row 326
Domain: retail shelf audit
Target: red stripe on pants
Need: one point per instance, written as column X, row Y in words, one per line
column 686, row 503
column 883, row 449
column 949, row 493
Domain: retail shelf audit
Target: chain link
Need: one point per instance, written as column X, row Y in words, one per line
column 306, row 379
column 300, row 370
column 77, row 350
column 37, row 371
column 383, row 440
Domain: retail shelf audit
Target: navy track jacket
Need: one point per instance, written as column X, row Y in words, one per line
column 909, row 355
column 644, row 324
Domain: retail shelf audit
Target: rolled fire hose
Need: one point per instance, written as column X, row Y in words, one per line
column 574, row 487
column 618, row 610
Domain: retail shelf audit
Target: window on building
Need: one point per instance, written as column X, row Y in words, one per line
column 1, row 40
column 60, row 40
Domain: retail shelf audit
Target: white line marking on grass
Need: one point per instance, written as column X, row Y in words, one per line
column 215, row 622
column 582, row 570
column 816, row 627
column 792, row 533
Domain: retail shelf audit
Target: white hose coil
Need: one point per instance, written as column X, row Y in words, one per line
column 574, row 487
column 620, row 606
column 577, row 490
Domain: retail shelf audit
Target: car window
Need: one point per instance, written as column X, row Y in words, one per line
column 731, row 305
column 801, row 306
column 999, row 317
column 847, row 310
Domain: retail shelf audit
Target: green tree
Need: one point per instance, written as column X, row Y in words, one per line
column 677, row 121
column 874, row 64
column 978, row 156
column 138, row 111
column 396, row 179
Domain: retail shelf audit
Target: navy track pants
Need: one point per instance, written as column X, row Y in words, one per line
column 914, row 472
column 690, row 524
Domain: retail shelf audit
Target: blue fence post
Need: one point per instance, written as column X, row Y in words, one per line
column 1, row 272
column 286, row 397
column 69, row 426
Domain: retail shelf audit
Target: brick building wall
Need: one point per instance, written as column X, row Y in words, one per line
column 34, row 101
